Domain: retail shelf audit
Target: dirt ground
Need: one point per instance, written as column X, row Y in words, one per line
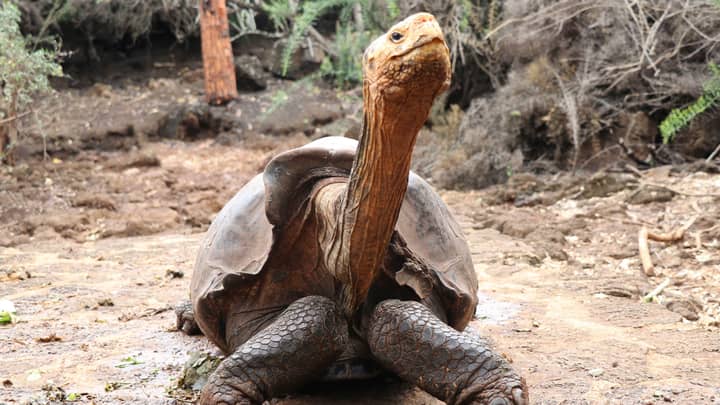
column 99, row 240
column 560, row 287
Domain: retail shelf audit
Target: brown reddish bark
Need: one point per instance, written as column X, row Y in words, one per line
column 218, row 65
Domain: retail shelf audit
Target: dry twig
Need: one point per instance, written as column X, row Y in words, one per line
column 643, row 246
column 647, row 264
column 654, row 293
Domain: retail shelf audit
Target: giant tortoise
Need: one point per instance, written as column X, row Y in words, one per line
column 337, row 257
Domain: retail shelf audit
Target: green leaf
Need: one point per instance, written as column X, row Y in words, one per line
column 128, row 361
column 5, row 317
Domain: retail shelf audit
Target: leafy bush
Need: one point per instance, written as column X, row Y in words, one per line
column 679, row 118
column 24, row 72
column 572, row 77
column 351, row 37
column 115, row 20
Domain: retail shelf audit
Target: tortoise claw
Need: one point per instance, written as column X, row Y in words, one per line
column 519, row 396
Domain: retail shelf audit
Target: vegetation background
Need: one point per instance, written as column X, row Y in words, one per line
column 539, row 85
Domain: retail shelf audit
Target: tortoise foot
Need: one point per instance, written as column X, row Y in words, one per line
column 186, row 319
column 294, row 349
column 459, row 368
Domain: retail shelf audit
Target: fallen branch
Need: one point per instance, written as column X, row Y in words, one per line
column 713, row 154
column 15, row 117
column 643, row 246
column 654, row 293
column 645, row 259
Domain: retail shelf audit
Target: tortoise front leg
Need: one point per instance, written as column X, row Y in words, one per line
column 185, row 320
column 456, row 367
column 294, row 349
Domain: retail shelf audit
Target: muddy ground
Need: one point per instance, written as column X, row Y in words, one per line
column 99, row 241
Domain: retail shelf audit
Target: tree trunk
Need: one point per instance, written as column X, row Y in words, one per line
column 4, row 141
column 218, row 64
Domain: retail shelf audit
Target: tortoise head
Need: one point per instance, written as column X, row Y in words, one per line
column 411, row 59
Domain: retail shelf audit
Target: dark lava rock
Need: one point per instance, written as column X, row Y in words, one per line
column 302, row 108
column 648, row 194
column 93, row 200
column 604, row 184
column 347, row 127
column 250, row 74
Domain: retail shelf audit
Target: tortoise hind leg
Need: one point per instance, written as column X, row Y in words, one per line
column 408, row 339
column 295, row 348
column 186, row 318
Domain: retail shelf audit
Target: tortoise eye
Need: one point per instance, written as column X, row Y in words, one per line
column 396, row 36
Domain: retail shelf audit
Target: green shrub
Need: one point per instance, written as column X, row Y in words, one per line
column 679, row 118
column 24, row 72
column 352, row 34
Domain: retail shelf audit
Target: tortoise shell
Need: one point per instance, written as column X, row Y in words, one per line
column 256, row 257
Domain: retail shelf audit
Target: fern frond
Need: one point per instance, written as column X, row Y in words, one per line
column 310, row 12
column 679, row 118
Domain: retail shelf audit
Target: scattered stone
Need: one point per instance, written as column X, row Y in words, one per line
column 14, row 275
column 596, row 372
column 249, row 73
column 49, row 338
column 302, row 109
column 143, row 221
column 604, row 184
column 684, row 307
column 200, row 214
column 137, row 160
column 649, row 194
column 188, row 122
column 106, row 302
column 92, row 200
column 172, row 273
column 347, row 127
column 623, row 251
column 7, row 383
column 49, row 395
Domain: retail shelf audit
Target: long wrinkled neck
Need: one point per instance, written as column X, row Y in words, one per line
column 378, row 182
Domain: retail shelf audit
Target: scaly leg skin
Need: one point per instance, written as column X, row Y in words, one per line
column 296, row 347
column 186, row 318
column 409, row 340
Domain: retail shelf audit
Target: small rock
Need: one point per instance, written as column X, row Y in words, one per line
column 604, row 184
column 14, row 275
column 135, row 161
column 7, row 383
column 347, row 127
column 106, row 302
column 249, row 73
column 92, row 200
column 596, row 372
column 174, row 273
column 686, row 308
column 302, row 109
column 101, row 90
column 648, row 194
column 49, row 338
